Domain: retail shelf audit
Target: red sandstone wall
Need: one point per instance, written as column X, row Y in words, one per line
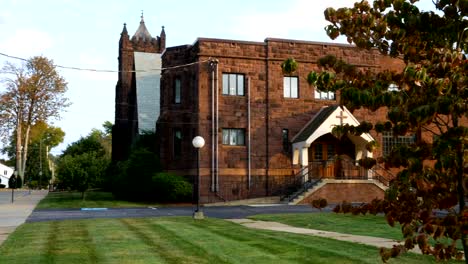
column 259, row 61
column 350, row 192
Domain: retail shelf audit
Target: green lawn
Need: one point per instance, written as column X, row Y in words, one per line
column 92, row 199
column 365, row 225
column 176, row 240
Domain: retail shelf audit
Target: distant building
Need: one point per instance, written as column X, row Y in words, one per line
column 5, row 174
column 266, row 133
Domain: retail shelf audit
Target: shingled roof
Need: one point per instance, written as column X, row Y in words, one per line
column 142, row 32
column 315, row 123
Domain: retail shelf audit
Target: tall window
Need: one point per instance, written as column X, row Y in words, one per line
column 389, row 141
column 330, row 151
column 233, row 136
column 285, row 138
column 233, row 84
column 177, row 91
column 177, row 142
column 318, row 152
column 291, row 87
column 324, row 95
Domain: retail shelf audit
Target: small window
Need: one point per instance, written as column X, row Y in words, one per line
column 318, row 152
column 324, row 95
column 5, row 172
column 233, row 84
column 177, row 91
column 390, row 141
column 233, row 136
column 177, row 142
column 285, row 137
column 291, row 87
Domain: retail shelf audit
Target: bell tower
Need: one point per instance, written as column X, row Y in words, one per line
column 127, row 90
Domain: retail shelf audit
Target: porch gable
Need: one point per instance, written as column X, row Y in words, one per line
column 322, row 123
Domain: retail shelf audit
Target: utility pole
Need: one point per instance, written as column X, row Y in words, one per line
column 40, row 164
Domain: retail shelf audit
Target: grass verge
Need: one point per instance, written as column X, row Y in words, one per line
column 176, row 240
column 364, row 225
column 92, row 199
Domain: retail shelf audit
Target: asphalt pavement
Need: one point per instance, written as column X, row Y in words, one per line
column 223, row 212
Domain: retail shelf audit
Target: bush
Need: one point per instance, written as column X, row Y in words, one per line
column 17, row 182
column 133, row 177
column 2, row 186
column 171, row 188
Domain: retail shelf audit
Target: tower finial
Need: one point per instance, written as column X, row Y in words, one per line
column 124, row 30
column 141, row 14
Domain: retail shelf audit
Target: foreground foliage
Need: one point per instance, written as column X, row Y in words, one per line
column 176, row 240
column 427, row 98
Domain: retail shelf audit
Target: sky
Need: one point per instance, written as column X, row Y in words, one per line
column 85, row 34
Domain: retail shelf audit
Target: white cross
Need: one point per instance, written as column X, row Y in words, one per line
column 341, row 117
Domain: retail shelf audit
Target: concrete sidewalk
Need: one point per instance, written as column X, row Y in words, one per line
column 14, row 214
column 366, row 240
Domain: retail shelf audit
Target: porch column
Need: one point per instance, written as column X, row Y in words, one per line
column 304, row 158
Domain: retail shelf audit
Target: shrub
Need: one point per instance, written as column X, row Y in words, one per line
column 133, row 177
column 2, row 186
column 171, row 188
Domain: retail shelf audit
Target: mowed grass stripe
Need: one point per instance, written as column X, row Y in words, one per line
column 158, row 244
column 287, row 246
column 258, row 246
column 176, row 240
column 120, row 244
column 26, row 245
column 70, row 242
column 174, row 247
column 208, row 232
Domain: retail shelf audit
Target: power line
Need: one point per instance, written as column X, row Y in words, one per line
column 111, row 71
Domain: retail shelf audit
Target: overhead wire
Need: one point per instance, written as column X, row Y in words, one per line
column 111, row 71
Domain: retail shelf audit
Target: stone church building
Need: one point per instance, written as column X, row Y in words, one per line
column 266, row 133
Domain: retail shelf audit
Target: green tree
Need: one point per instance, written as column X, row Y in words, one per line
column 43, row 139
column 427, row 97
column 84, row 163
column 35, row 92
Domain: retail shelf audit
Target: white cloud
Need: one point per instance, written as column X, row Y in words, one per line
column 26, row 43
column 301, row 19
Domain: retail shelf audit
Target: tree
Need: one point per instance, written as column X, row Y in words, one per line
column 84, row 163
column 35, row 93
column 42, row 139
column 428, row 98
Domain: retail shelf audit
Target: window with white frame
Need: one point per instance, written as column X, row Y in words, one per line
column 234, row 136
column 324, row 95
column 233, row 84
column 291, row 86
column 177, row 90
column 390, row 141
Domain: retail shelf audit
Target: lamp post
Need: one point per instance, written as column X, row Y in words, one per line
column 198, row 142
column 13, row 182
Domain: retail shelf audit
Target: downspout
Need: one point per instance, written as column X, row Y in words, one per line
column 267, row 121
column 212, row 129
column 248, row 136
column 217, row 129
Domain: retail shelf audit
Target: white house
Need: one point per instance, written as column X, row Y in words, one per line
column 5, row 174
